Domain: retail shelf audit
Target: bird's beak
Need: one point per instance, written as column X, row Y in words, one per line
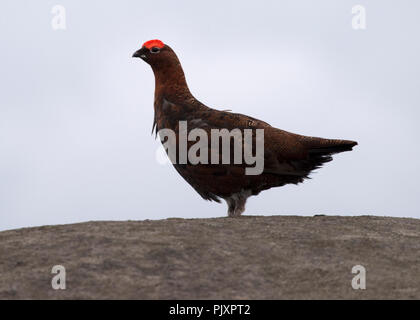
column 139, row 54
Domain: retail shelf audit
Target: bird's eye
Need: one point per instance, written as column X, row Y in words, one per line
column 154, row 50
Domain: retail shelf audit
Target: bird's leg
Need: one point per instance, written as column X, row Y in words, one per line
column 231, row 206
column 236, row 203
column 240, row 207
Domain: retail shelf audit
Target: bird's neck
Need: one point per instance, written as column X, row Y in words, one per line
column 170, row 82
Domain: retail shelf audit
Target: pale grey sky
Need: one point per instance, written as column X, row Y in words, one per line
column 76, row 110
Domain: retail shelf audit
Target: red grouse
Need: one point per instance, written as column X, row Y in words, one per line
column 287, row 157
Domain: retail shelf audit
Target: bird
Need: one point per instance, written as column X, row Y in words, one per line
column 289, row 158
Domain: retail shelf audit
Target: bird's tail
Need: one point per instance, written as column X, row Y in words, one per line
column 320, row 151
column 320, row 146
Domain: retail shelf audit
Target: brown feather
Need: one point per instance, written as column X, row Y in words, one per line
column 288, row 158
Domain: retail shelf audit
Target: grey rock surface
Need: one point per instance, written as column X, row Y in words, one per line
column 252, row 257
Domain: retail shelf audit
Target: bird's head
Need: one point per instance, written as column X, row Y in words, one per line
column 155, row 53
column 165, row 65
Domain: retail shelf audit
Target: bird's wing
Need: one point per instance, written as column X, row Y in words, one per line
column 288, row 157
column 285, row 153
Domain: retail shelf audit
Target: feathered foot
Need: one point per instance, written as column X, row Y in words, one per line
column 236, row 203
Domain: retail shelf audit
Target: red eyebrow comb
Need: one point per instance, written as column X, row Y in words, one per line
column 153, row 43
